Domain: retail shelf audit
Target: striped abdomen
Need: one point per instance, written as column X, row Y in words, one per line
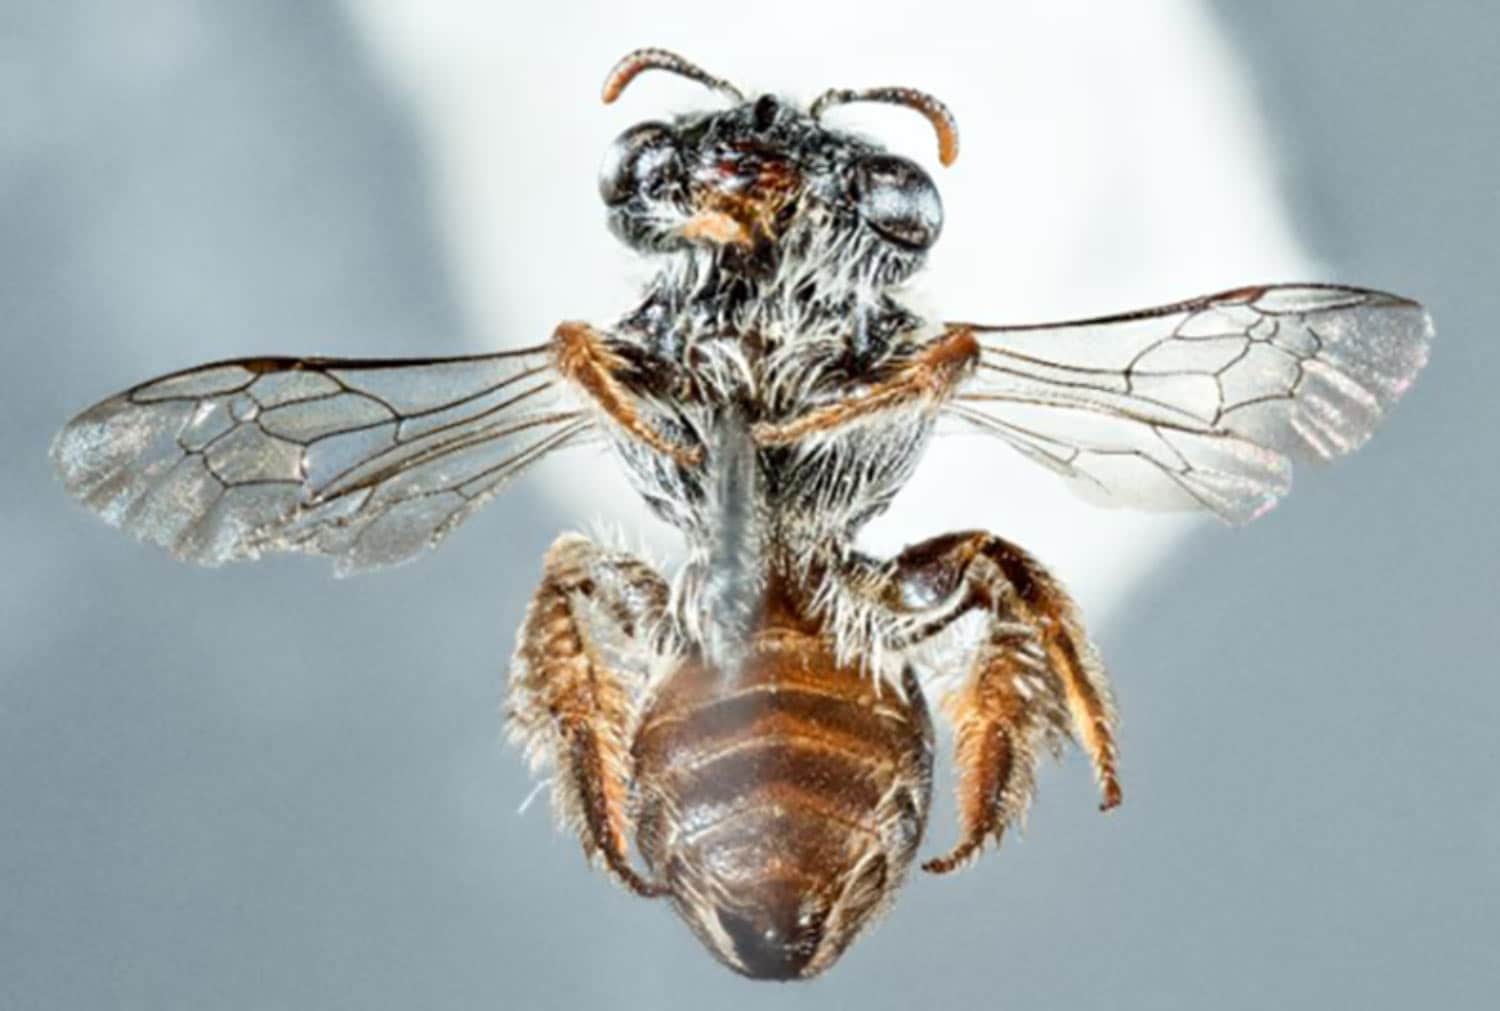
column 781, row 805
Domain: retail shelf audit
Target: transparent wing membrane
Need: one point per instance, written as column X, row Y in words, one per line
column 366, row 461
column 1202, row 404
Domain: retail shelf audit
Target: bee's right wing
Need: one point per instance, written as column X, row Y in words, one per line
column 366, row 461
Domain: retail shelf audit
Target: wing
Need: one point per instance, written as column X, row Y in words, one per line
column 366, row 461
column 1202, row 404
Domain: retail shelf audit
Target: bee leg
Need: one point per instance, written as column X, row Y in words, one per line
column 929, row 376
column 581, row 354
column 1035, row 674
column 571, row 708
column 1002, row 714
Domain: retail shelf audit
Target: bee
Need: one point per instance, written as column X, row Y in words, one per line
column 749, row 738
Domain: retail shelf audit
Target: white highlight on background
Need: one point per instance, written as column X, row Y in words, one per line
column 1112, row 158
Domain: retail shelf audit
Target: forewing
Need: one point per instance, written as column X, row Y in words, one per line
column 1202, row 404
column 366, row 461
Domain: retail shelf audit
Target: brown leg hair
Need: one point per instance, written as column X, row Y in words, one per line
column 1035, row 676
column 930, row 375
column 582, row 355
column 568, row 706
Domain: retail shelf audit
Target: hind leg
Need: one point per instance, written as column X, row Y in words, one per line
column 1034, row 676
column 569, row 705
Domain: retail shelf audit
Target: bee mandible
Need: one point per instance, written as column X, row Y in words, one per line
column 750, row 738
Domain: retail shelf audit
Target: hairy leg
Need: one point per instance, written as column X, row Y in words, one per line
column 568, row 706
column 929, row 376
column 1003, row 713
column 582, row 355
column 1035, row 673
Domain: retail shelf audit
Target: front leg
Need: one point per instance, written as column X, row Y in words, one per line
column 568, row 706
column 581, row 353
column 928, row 377
column 1035, row 674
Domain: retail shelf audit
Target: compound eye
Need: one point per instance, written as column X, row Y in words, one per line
column 639, row 161
column 898, row 200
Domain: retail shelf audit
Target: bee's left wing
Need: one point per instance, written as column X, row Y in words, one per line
column 1199, row 405
column 366, row 461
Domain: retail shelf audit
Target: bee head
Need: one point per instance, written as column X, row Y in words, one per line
column 765, row 182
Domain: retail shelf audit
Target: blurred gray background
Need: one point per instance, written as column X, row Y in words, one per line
column 259, row 788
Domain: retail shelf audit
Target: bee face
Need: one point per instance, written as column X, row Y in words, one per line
column 759, row 182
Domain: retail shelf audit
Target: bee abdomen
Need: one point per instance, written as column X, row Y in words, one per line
column 780, row 807
column 796, row 764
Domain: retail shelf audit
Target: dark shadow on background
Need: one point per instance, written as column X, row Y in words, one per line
column 1311, row 703
column 238, row 788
